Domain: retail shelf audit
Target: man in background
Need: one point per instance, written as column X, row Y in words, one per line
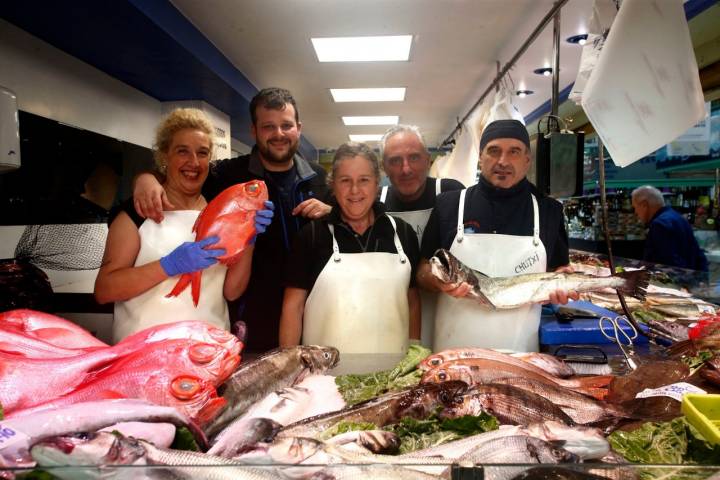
column 670, row 239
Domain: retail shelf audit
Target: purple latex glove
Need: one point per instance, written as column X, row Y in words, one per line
column 191, row 257
column 263, row 218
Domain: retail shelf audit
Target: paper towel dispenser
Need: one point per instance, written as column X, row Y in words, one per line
column 9, row 132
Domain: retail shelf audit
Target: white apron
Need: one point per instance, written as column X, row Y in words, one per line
column 359, row 302
column 418, row 220
column 460, row 322
column 152, row 308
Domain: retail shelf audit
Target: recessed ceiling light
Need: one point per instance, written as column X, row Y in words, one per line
column 545, row 72
column 379, row 120
column 368, row 94
column 578, row 39
column 375, row 137
column 524, row 93
column 363, row 49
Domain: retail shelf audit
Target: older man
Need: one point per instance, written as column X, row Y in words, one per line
column 502, row 227
column 670, row 239
column 411, row 194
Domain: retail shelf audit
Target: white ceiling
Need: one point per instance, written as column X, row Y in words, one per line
column 452, row 60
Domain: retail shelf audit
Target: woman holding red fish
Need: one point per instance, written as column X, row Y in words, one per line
column 350, row 280
column 142, row 258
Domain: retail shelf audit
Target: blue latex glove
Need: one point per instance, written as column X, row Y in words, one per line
column 191, row 257
column 263, row 218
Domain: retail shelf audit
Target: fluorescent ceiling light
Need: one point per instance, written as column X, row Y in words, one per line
column 365, row 138
column 381, row 120
column 368, row 94
column 363, row 49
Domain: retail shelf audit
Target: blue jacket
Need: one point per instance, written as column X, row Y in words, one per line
column 670, row 241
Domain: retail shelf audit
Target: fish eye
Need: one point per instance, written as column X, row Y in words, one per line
column 185, row 387
column 435, row 361
column 252, row 189
column 326, row 355
column 442, row 376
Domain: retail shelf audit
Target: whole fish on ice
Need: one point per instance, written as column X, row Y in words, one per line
column 230, row 216
column 513, row 292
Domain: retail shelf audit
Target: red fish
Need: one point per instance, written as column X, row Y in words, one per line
column 230, row 216
column 48, row 328
column 176, row 373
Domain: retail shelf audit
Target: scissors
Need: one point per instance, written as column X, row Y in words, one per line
column 620, row 336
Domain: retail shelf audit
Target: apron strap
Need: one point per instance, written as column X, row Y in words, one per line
column 336, row 249
column 396, row 239
column 536, row 221
column 383, row 194
column 438, row 186
column 461, row 212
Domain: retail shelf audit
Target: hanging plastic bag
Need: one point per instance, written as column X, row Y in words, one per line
column 603, row 15
column 645, row 90
column 503, row 108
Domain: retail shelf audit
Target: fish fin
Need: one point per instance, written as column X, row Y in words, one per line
column 480, row 297
column 636, row 283
column 180, row 285
column 195, row 287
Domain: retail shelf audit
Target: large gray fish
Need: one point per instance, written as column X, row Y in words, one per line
column 109, row 449
column 510, row 405
column 513, row 292
column 75, row 418
column 417, row 402
column 273, row 371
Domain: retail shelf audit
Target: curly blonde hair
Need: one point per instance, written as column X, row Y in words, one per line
column 179, row 119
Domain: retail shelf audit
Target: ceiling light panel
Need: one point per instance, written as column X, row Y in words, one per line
column 377, row 120
column 375, row 137
column 363, row 49
column 368, row 94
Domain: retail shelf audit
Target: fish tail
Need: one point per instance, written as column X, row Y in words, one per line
column 681, row 348
column 636, row 283
column 195, row 287
column 180, row 285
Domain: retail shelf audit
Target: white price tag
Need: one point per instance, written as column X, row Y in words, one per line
column 675, row 391
column 9, row 436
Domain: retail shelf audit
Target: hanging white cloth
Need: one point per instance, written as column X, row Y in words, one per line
column 359, row 301
column 152, row 308
column 460, row 322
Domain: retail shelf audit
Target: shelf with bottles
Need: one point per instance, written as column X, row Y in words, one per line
column 584, row 217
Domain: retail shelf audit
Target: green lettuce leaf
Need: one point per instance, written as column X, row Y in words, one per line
column 356, row 388
column 184, row 440
column 344, row 427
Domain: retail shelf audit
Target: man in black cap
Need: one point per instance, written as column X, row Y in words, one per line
column 502, row 227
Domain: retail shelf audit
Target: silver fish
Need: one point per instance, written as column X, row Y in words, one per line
column 243, row 435
column 110, row 449
column 75, row 418
column 273, row 371
column 513, row 292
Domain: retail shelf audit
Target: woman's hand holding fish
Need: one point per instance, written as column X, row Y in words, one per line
column 149, row 198
column 312, row 208
column 191, row 257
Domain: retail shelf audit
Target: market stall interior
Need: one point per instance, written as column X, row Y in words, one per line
column 615, row 95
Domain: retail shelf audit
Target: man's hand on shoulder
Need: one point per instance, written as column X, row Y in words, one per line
column 149, row 197
column 312, row 208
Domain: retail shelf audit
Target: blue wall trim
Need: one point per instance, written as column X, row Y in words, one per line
column 149, row 45
column 694, row 8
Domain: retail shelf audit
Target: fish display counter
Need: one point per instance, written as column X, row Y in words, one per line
column 175, row 401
